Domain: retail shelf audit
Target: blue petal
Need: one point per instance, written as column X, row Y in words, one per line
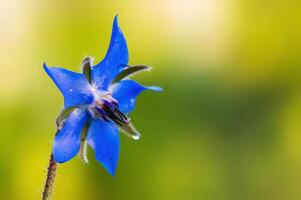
column 74, row 86
column 114, row 62
column 103, row 137
column 126, row 91
column 67, row 141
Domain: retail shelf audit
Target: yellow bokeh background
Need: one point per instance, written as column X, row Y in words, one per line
column 227, row 126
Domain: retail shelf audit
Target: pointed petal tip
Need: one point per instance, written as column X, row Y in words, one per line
column 116, row 17
column 110, row 168
column 115, row 22
column 155, row 88
column 47, row 69
column 103, row 138
column 111, row 171
column 114, row 61
column 45, row 66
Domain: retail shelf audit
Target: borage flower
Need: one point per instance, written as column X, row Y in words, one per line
column 96, row 103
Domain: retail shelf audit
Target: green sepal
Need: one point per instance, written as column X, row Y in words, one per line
column 130, row 70
column 86, row 67
column 83, row 144
column 63, row 116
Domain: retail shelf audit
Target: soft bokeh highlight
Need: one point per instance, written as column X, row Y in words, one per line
column 226, row 127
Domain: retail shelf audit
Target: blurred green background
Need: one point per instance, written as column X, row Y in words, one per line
column 227, row 126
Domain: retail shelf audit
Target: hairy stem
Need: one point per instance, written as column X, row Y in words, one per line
column 47, row 193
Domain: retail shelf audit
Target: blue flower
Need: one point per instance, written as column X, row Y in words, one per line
column 97, row 100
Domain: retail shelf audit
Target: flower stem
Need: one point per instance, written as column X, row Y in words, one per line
column 47, row 193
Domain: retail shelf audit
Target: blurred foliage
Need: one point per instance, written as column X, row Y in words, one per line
column 227, row 125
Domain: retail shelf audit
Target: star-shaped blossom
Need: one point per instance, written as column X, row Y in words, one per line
column 96, row 104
